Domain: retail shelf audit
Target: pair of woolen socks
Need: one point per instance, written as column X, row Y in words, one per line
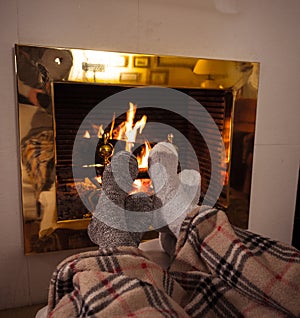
column 175, row 195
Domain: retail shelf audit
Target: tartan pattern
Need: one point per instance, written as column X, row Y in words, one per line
column 37, row 157
column 217, row 271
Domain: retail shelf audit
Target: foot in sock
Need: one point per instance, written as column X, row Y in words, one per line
column 104, row 228
column 118, row 177
column 191, row 183
column 163, row 163
column 141, row 221
column 179, row 193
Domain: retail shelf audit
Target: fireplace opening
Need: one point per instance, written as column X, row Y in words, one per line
column 72, row 102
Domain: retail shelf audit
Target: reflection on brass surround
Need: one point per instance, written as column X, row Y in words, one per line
column 39, row 68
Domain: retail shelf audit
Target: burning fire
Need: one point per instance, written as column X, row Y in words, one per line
column 142, row 157
column 127, row 130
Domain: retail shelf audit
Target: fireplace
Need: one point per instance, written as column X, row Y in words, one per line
column 69, row 83
column 72, row 106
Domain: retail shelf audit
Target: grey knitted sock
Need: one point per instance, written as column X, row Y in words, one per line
column 106, row 236
column 162, row 163
column 141, row 203
column 118, row 177
column 116, row 183
column 179, row 194
column 190, row 181
column 191, row 184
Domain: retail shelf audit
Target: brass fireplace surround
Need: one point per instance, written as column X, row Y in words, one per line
column 38, row 69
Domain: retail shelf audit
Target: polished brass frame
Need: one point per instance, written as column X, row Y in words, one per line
column 120, row 68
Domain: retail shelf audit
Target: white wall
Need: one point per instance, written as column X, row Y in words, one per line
column 260, row 30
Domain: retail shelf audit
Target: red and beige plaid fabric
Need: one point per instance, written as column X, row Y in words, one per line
column 217, row 271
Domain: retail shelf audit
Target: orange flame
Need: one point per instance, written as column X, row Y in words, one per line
column 142, row 158
column 99, row 179
column 112, row 126
column 127, row 130
column 86, row 134
column 100, row 131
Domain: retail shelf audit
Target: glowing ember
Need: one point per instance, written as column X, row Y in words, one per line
column 142, row 185
column 99, row 179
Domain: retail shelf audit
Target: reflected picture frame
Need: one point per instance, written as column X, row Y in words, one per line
column 141, row 61
column 129, row 77
column 159, row 77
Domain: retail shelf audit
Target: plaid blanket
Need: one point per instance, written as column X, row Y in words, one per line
column 217, row 271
